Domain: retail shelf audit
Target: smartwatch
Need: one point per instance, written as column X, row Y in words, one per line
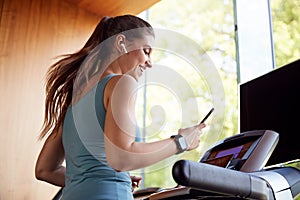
column 180, row 143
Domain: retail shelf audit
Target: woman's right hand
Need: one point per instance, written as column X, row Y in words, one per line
column 192, row 135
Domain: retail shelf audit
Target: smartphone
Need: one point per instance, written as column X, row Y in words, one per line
column 207, row 115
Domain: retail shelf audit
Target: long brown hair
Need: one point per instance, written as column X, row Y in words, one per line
column 61, row 75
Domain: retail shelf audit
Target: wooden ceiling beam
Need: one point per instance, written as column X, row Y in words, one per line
column 114, row 7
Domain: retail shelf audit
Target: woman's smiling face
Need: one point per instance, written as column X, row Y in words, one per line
column 138, row 58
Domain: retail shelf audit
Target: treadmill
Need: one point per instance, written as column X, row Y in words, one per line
column 234, row 168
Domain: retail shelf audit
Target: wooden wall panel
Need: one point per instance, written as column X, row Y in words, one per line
column 32, row 33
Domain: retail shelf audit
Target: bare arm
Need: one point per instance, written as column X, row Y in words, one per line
column 123, row 153
column 49, row 166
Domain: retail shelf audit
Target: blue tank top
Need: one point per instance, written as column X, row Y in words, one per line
column 88, row 175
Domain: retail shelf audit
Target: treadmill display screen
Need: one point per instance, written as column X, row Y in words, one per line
column 233, row 151
column 226, row 157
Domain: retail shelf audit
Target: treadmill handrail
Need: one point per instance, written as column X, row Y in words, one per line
column 220, row 180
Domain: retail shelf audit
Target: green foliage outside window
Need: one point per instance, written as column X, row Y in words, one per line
column 286, row 31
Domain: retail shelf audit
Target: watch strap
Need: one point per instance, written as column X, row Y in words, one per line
column 180, row 143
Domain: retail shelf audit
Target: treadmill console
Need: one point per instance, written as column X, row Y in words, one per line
column 246, row 152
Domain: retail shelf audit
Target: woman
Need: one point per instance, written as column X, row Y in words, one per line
column 99, row 82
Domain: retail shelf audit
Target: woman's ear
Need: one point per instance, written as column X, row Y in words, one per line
column 120, row 44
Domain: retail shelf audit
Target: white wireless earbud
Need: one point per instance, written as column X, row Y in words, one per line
column 123, row 47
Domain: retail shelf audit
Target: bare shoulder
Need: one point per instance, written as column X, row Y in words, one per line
column 120, row 87
column 122, row 82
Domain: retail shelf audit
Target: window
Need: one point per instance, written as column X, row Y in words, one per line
column 194, row 69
